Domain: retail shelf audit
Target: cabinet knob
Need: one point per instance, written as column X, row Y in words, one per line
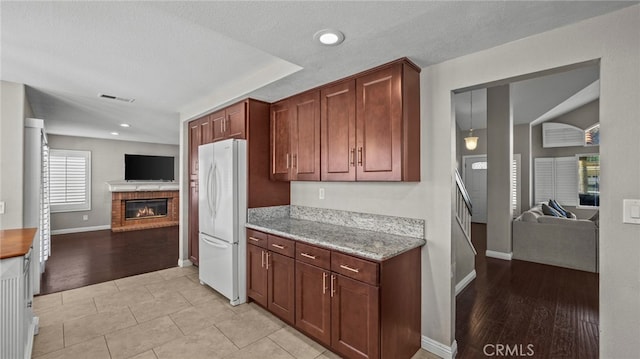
column 354, row 270
column 307, row 255
column 360, row 156
column 352, row 160
column 324, row 282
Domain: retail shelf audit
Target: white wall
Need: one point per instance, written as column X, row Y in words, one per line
column 107, row 164
column 13, row 105
column 615, row 40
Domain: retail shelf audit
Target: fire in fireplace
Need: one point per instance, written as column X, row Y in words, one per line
column 145, row 208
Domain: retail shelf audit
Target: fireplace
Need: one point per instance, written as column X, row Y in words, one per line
column 134, row 210
column 145, row 208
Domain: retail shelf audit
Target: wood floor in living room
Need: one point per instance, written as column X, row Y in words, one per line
column 530, row 309
column 81, row 259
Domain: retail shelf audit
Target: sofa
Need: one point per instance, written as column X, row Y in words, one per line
column 559, row 241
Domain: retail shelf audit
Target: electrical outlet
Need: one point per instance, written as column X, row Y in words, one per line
column 1, row 207
column 85, row 217
column 321, row 193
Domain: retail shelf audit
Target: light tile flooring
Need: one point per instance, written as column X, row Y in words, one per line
column 163, row 314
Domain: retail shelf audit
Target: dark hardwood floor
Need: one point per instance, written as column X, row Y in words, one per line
column 81, row 259
column 540, row 310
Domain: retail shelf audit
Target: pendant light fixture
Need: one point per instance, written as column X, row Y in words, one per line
column 471, row 142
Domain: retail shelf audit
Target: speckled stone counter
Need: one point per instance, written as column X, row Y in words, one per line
column 361, row 242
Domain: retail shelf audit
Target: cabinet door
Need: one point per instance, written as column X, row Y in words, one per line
column 256, row 274
column 280, row 286
column 305, row 137
column 355, row 318
column 338, row 124
column 235, row 125
column 217, row 123
column 206, row 132
column 379, row 125
column 193, row 223
column 313, row 302
column 194, row 142
column 280, row 133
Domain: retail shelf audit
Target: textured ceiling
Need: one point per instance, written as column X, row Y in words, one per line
column 179, row 59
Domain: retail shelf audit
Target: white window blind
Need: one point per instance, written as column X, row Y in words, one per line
column 45, row 225
column 69, row 180
column 515, row 184
column 556, row 178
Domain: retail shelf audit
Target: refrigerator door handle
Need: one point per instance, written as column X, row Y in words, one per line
column 209, row 189
column 212, row 243
column 216, row 189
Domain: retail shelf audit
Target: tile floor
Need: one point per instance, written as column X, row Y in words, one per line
column 163, row 314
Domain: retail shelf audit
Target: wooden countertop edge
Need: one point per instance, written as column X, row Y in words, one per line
column 16, row 242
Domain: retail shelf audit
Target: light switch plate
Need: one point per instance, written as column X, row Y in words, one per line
column 1, row 207
column 321, row 193
column 631, row 211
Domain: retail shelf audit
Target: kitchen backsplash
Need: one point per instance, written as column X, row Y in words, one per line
column 372, row 222
column 267, row 213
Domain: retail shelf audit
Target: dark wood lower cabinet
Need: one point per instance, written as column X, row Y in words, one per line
column 356, row 307
column 355, row 319
column 280, row 270
column 313, row 302
column 256, row 274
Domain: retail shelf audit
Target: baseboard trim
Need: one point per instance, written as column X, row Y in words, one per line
column 499, row 255
column 439, row 349
column 80, row 229
column 184, row 263
column 465, row 281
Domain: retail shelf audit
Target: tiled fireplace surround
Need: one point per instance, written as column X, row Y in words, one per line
column 120, row 224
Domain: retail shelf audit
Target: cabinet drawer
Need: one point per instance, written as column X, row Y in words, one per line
column 355, row 268
column 281, row 245
column 313, row 255
column 257, row 238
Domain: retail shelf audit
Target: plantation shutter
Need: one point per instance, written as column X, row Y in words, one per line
column 69, row 180
column 556, row 178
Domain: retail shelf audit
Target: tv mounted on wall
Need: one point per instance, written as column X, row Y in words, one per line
column 148, row 168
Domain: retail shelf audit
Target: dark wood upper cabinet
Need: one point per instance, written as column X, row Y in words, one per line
column 217, row 123
column 388, row 124
column 369, row 128
column 338, row 132
column 295, row 138
column 235, row 125
column 305, row 137
column 280, row 137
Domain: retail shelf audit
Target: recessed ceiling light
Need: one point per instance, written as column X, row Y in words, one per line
column 329, row 37
column 115, row 133
column 126, row 125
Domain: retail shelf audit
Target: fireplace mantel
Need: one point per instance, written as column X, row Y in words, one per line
column 142, row 186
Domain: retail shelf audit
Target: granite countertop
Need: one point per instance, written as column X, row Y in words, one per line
column 364, row 243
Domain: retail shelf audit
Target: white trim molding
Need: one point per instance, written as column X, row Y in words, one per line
column 184, row 263
column 499, row 255
column 464, row 282
column 80, row 229
column 439, row 349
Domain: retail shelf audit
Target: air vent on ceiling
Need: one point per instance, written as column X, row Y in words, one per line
column 111, row 97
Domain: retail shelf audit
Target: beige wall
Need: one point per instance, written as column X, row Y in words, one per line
column 107, row 164
column 14, row 108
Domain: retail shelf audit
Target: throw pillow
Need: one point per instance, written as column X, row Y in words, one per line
column 555, row 205
column 550, row 211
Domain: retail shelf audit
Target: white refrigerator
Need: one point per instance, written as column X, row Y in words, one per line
column 222, row 202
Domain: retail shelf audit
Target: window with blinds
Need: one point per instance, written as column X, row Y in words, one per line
column 69, row 180
column 556, row 178
column 45, row 217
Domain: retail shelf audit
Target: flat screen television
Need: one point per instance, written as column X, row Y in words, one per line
column 148, row 168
